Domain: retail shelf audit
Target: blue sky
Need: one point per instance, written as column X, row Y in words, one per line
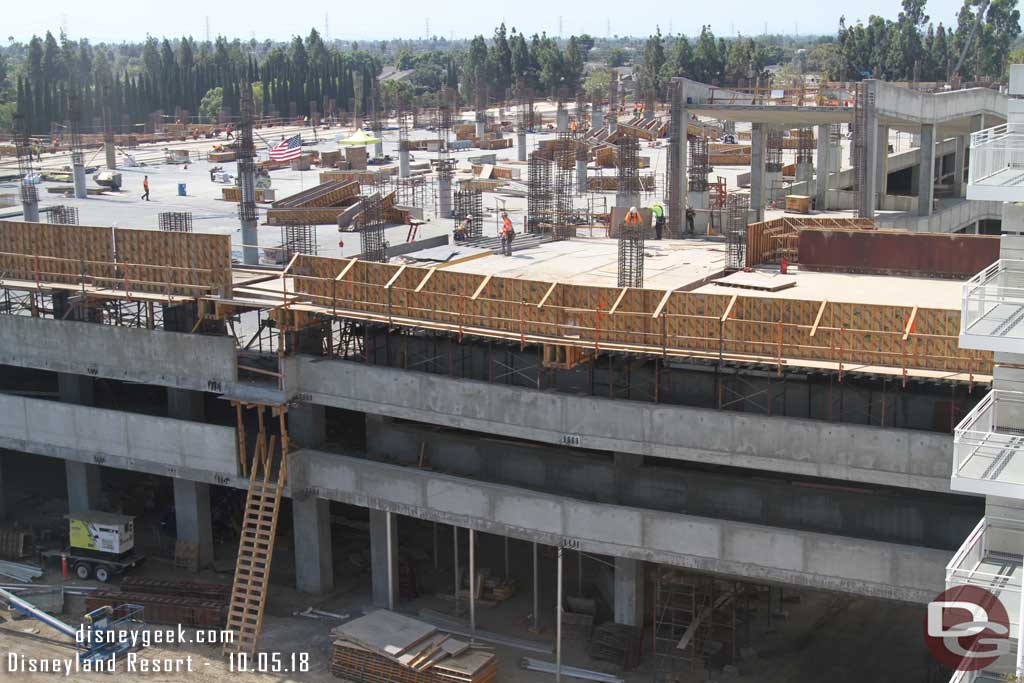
column 116, row 20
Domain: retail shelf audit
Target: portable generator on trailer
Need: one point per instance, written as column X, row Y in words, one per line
column 100, row 544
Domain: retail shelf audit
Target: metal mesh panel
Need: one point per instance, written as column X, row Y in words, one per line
column 629, row 171
column 411, row 191
column 175, row 221
column 62, row 214
column 773, row 151
column 805, row 146
column 298, row 238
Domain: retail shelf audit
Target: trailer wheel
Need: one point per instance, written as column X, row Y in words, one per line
column 102, row 573
column 83, row 570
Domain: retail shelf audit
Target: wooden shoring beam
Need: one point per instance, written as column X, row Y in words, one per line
column 910, row 324
column 817, row 319
column 344, row 271
column 618, row 300
column 662, row 303
column 547, row 294
column 397, row 274
column 423, row 282
column 480, row 289
column 728, row 309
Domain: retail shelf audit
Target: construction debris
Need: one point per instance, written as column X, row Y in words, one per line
column 570, row 671
column 14, row 543
column 386, row 647
column 618, row 643
column 23, row 573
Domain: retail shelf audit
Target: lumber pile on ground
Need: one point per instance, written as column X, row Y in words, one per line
column 385, row 647
column 726, row 154
column 189, row 603
column 318, row 205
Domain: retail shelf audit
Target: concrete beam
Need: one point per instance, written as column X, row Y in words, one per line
column 188, row 361
column 314, row 561
column 192, row 517
column 3, row 499
column 926, row 174
column 914, row 459
column 629, row 591
column 84, row 486
column 114, row 438
column 752, row 552
column 383, row 557
column 959, row 160
column 882, row 163
column 823, row 166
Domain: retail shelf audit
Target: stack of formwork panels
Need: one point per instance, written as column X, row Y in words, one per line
column 318, row 205
column 386, row 647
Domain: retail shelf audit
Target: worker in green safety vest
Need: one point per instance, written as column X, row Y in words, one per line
column 659, row 219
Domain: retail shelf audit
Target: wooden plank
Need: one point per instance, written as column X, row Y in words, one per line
column 547, row 294
column 618, row 301
column 430, row 273
column 817, row 319
column 480, row 289
column 910, row 324
column 662, row 304
column 396, row 276
column 344, row 271
column 728, row 309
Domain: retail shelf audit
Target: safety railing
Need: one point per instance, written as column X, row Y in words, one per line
column 997, row 164
column 988, row 446
column 990, row 558
column 992, row 309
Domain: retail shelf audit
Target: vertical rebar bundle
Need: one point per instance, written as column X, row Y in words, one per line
column 470, row 204
column 835, row 133
column 23, row 148
column 403, row 129
column 698, row 168
column 298, row 238
column 629, row 170
column 581, row 110
column 805, row 146
column 677, row 138
column 773, row 151
column 371, row 234
column 538, row 193
column 61, row 214
column 246, row 155
column 737, row 212
column 375, row 123
column 109, row 150
column 631, row 255
column 858, row 148
column 565, row 168
column 175, row 221
column 75, row 129
column 411, row 191
column 445, row 164
column 523, row 120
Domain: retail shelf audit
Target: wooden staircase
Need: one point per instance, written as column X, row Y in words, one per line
column 259, row 527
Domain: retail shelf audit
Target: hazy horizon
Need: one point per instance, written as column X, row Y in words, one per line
column 459, row 19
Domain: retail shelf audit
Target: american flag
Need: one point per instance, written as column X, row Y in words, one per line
column 287, row 149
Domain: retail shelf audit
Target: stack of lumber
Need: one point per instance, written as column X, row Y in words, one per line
column 385, row 647
column 223, row 156
column 189, row 603
column 490, row 590
column 610, row 183
column 319, row 205
column 15, row 543
column 726, row 154
column 234, row 194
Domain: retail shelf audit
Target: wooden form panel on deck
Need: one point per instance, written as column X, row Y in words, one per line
column 770, row 241
column 769, row 330
column 64, row 251
column 196, row 262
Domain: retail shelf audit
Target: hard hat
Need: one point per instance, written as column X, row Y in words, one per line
column 632, row 209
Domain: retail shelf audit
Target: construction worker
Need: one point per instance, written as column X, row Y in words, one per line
column 508, row 234
column 463, row 228
column 659, row 219
column 145, row 188
column 690, row 213
column 633, row 219
column 572, row 126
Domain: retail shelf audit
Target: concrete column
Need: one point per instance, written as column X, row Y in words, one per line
column 625, row 464
column 78, row 178
column 926, row 171
column 186, row 404
column 384, row 558
column 250, row 243
column 444, row 197
column 629, row 591
column 111, row 153
column 758, row 193
column 481, row 130
column 867, row 199
column 314, row 561
column 3, row 500
column 959, row 157
column 30, row 211
column 307, row 426
column 581, row 176
column 597, row 118
column 192, row 517
column 83, row 486
column 378, row 148
column 521, row 149
column 823, row 166
column 562, row 120
column 882, row 164
column 78, row 389
column 403, row 163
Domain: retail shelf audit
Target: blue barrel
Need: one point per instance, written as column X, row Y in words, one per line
column 181, row 189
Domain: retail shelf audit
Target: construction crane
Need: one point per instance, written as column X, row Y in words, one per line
column 91, row 639
column 970, row 39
